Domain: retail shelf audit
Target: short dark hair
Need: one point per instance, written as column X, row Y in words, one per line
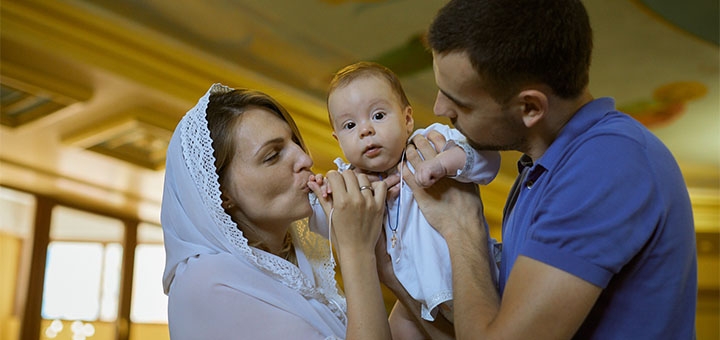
column 513, row 43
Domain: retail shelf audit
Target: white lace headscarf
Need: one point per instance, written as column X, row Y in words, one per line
column 195, row 223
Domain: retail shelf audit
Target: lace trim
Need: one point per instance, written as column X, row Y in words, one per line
column 198, row 154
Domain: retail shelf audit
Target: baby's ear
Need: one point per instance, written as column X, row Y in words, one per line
column 334, row 135
column 409, row 121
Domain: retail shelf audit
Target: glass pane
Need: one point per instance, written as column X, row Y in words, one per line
column 149, row 303
column 84, row 266
column 16, row 212
column 111, row 282
column 75, row 225
column 149, row 233
column 72, row 281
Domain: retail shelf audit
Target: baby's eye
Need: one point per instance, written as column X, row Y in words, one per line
column 349, row 126
column 379, row 115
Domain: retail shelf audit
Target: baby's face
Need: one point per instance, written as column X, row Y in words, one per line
column 370, row 123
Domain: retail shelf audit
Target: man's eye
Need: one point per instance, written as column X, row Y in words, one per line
column 349, row 126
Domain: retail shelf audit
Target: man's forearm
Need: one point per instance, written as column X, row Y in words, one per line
column 476, row 301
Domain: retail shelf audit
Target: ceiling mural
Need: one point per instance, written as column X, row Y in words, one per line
column 668, row 102
column 115, row 76
column 697, row 17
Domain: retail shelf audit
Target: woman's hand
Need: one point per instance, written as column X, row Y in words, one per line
column 392, row 182
column 357, row 209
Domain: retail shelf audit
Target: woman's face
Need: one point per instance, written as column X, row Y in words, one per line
column 268, row 175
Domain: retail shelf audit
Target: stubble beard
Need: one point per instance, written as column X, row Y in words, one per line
column 506, row 137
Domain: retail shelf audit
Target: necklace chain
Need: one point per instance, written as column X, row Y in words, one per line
column 394, row 238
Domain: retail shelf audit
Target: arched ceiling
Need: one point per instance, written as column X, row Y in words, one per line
column 91, row 89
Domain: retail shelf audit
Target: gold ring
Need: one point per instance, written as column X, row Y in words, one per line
column 367, row 187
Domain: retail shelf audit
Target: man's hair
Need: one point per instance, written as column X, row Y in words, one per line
column 514, row 43
column 363, row 69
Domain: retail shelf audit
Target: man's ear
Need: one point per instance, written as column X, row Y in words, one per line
column 409, row 120
column 534, row 106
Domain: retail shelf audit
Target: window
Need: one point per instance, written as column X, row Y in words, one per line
column 82, row 274
column 149, row 302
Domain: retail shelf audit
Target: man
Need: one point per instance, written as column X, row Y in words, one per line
column 598, row 238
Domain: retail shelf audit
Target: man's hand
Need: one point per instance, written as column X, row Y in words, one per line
column 447, row 201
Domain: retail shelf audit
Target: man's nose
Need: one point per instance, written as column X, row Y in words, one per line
column 442, row 107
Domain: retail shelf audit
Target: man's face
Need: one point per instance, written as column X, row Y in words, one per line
column 461, row 97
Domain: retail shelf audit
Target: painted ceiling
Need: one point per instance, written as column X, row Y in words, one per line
column 102, row 82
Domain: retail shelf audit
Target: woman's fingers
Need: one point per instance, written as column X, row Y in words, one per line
column 351, row 180
column 380, row 189
column 358, row 210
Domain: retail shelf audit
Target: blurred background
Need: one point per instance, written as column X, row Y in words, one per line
column 91, row 91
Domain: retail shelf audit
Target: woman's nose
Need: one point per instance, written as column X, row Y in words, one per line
column 303, row 160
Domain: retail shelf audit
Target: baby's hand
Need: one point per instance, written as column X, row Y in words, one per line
column 317, row 183
column 429, row 172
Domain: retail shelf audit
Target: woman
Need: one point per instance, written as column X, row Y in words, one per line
column 241, row 262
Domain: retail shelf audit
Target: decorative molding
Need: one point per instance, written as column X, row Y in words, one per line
column 139, row 136
column 117, row 45
column 28, row 94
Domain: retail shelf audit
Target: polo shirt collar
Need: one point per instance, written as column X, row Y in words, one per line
column 580, row 122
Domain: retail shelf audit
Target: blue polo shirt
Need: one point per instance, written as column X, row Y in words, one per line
column 608, row 204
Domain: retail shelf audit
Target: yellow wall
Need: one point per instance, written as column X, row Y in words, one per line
column 10, row 247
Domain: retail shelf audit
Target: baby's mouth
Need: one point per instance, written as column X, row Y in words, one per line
column 372, row 150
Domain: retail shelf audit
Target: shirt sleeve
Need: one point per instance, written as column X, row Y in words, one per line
column 598, row 212
column 481, row 167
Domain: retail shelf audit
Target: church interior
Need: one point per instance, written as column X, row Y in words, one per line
column 91, row 91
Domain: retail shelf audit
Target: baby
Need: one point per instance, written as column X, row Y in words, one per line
column 372, row 120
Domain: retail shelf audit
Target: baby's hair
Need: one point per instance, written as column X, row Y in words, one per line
column 364, row 69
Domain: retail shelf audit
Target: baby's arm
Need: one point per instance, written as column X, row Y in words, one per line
column 479, row 167
column 446, row 163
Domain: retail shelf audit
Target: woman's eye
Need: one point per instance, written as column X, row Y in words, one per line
column 379, row 115
column 271, row 157
column 349, row 126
